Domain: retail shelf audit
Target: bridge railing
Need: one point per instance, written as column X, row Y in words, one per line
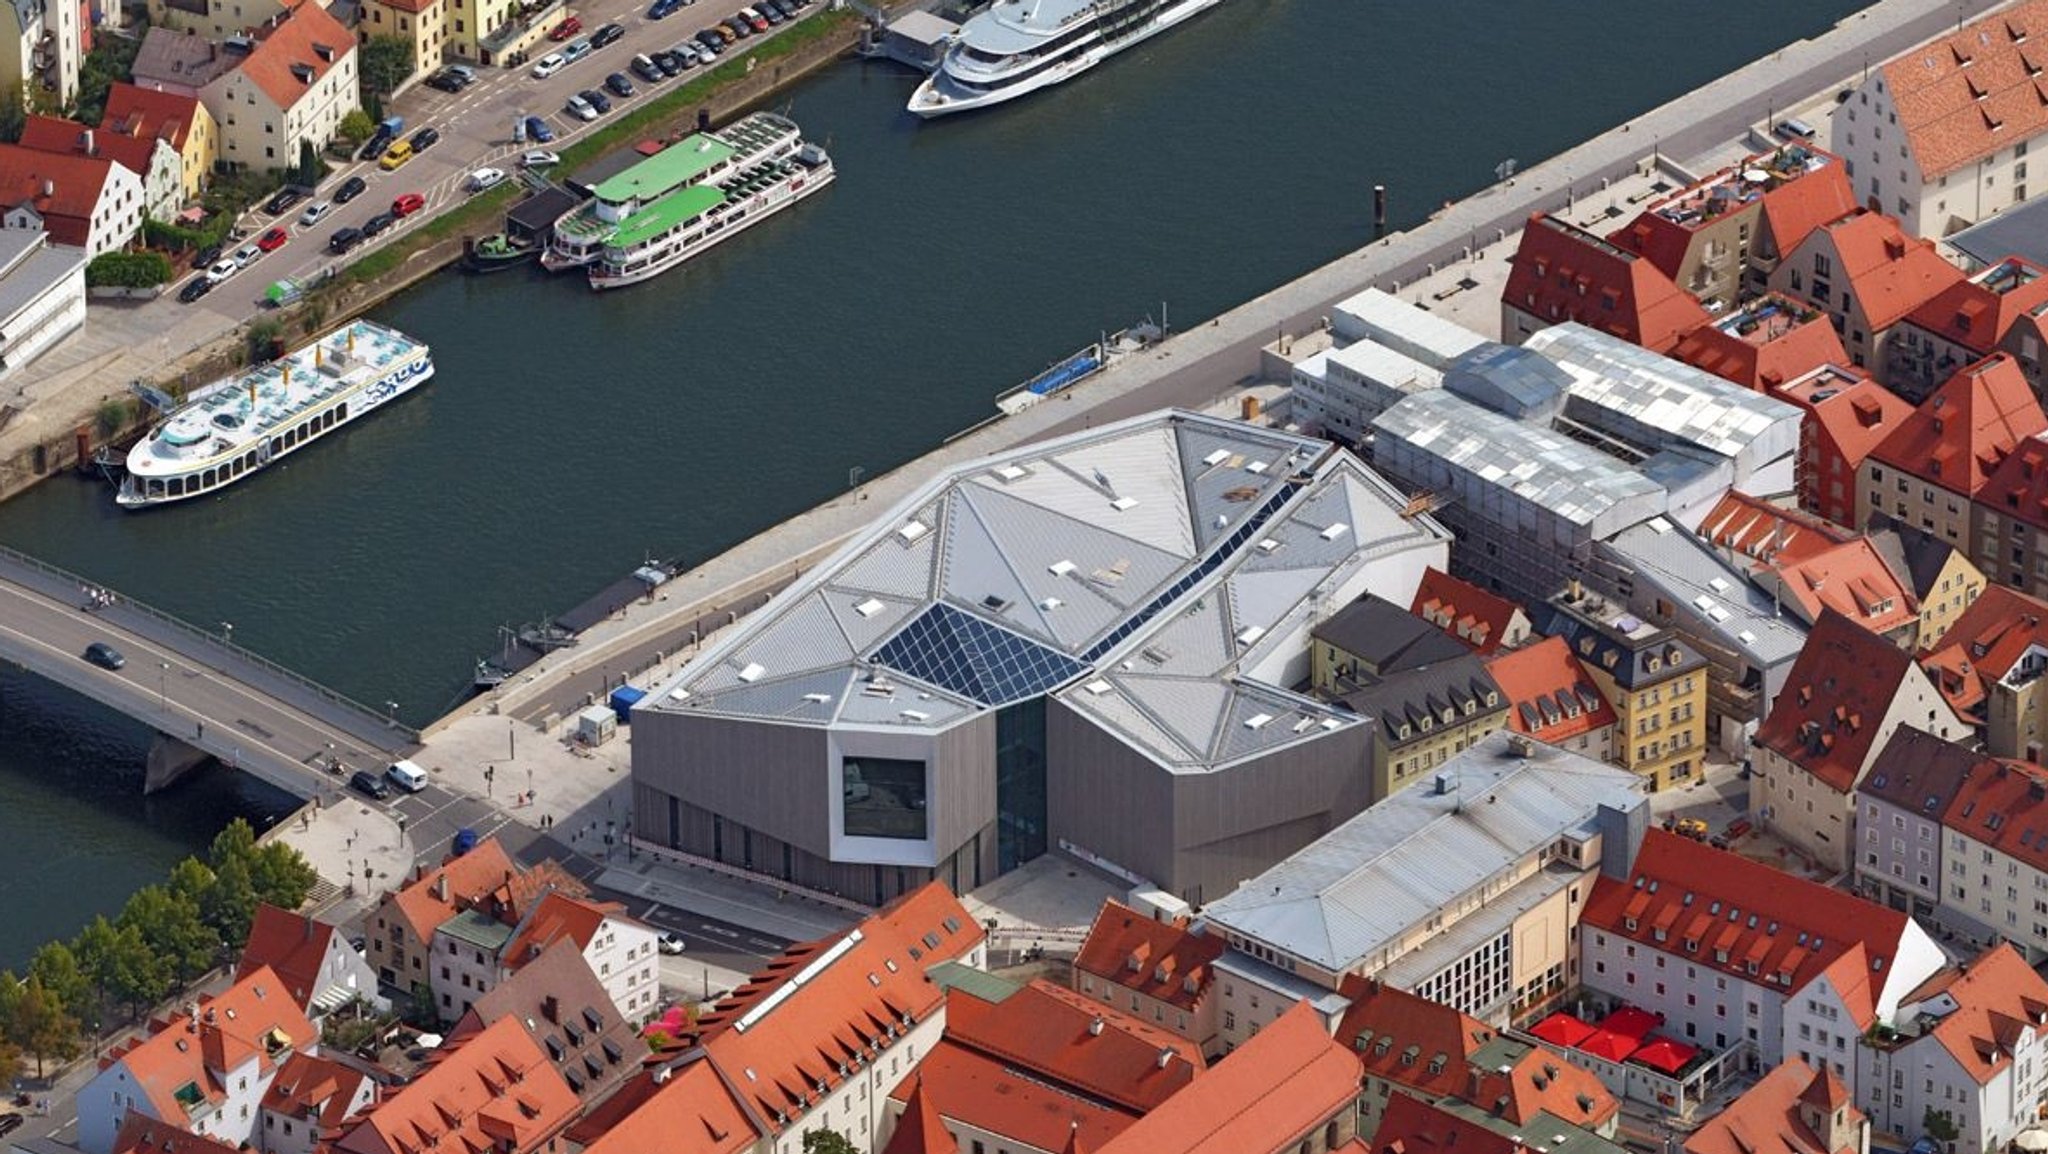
column 73, row 581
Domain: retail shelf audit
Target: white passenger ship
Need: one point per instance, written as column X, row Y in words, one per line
column 1021, row 46
column 238, row 425
column 685, row 223
column 707, row 158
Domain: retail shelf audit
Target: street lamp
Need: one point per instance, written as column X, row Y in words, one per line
column 391, row 713
column 163, row 687
column 227, row 629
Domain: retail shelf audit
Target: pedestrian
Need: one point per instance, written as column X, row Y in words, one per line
column 202, row 731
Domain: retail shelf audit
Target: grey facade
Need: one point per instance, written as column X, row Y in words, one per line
column 1899, row 830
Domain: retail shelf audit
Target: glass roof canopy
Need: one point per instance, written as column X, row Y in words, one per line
column 968, row 656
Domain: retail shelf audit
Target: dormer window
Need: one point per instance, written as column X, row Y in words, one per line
column 1629, row 924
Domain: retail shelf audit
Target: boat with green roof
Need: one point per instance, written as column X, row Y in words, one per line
column 686, row 222
column 715, row 158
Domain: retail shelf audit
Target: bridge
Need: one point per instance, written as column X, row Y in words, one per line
column 204, row 695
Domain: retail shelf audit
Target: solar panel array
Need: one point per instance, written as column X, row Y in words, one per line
column 966, row 655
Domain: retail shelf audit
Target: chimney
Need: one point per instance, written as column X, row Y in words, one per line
column 85, row 143
column 441, row 888
column 1165, row 1056
column 49, row 188
column 1095, row 1028
column 551, row 1009
column 1519, row 745
column 1574, row 591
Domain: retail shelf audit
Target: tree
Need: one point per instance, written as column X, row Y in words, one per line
column 119, row 966
column 36, row 1022
column 13, row 116
column 385, row 63
column 282, row 875
column 356, row 126
column 230, row 903
column 1936, row 1124
column 170, row 927
column 57, row 969
column 828, row 1142
column 190, row 879
column 236, row 840
column 310, row 168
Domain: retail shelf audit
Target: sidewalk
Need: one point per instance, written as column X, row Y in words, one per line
column 344, row 837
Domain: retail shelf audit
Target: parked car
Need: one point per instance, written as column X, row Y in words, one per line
column 283, row 199
column 596, row 100
column 445, row 81
column 788, row 8
column 197, row 287
column 566, row 29
column 760, row 16
column 713, row 40
column 484, row 178
column 537, row 130
column 344, row 239
column 363, row 781
column 619, row 85
column 663, row 9
column 379, row 223
column 607, row 35
column 350, row 189
column 272, row 239
column 576, row 50
column 671, row 62
column 425, row 138
column 222, row 269
column 407, row 204
column 395, row 157
column 739, row 26
column 104, row 655
column 580, row 107
column 548, row 65
column 539, row 158
column 247, row 255
column 671, row 943
column 646, row 69
column 315, row 211
column 207, row 256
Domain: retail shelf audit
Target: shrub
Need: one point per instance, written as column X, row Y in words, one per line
column 128, row 270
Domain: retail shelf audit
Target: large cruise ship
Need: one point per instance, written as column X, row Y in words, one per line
column 1020, row 46
column 707, row 158
column 239, row 424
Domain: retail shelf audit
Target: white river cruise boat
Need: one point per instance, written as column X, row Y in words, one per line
column 238, row 425
column 685, row 223
column 1020, row 46
column 705, row 158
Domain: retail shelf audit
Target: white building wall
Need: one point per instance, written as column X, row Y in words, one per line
column 117, row 217
column 1865, row 132
column 42, row 322
column 859, row 1107
column 460, row 973
column 623, row 956
column 1820, row 1031
column 1701, row 1004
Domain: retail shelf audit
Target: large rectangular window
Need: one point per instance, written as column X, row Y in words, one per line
column 884, row 797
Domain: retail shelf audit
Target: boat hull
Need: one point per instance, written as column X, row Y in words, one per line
column 928, row 102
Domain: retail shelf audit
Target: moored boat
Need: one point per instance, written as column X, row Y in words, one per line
column 496, row 253
column 685, row 223
column 1016, row 47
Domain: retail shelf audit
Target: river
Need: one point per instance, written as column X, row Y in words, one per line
column 568, row 436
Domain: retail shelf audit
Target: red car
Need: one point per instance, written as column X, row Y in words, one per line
column 408, row 204
column 272, row 240
column 566, row 29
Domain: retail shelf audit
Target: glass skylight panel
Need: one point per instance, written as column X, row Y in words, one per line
column 975, row 659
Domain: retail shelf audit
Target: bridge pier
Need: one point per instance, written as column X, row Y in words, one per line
column 169, row 761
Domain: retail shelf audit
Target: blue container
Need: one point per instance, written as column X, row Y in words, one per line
column 622, row 702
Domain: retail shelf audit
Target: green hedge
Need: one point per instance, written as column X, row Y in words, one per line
column 128, row 270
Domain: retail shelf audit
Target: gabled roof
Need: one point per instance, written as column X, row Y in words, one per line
column 1890, row 273
column 1854, row 412
column 1407, row 1039
column 494, row 1091
column 1794, row 208
column 186, row 1061
column 1164, row 960
column 1560, row 272
column 565, row 1009
column 1765, row 343
column 438, row 893
column 1984, row 644
column 919, row 1130
column 317, row 1091
column 292, row 945
column 1915, row 556
column 149, row 114
column 1963, row 431
column 694, row 1111
column 1550, row 695
column 2004, row 805
column 1995, row 1000
column 55, row 134
column 1282, row 1083
column 294, row 51
column 1721, row 911
column 976, row 1090
column 141, row 1134
column 1826, row 717
column 1410, row 1125
column 1920, row 773
column 1976, row 313
column 1480, row 619
column 558, row 917
column 1754, row 533
column 1964, row 96
column 1767, row 1118
column 2018, row 488
column 1850, row 579
column 1609, row 639
column 1062, row 1036
column 1386, row 637
column 63, row 188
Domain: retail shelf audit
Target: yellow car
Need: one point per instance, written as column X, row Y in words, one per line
column 395, row 156
column 1692, row 827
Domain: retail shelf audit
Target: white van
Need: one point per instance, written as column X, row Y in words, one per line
column 407, row 776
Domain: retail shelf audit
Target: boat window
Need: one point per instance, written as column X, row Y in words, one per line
column 343, row 410
column 276, row 445
column 177, row 487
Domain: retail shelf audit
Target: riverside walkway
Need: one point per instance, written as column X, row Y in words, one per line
column 201, row 692
column 1193, row 368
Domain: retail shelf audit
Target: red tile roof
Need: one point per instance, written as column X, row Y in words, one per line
column 55, row 134
column 1826, row 718
column 1976, row 313
column 1966, row 95
column 1961, row 433
column 557, row 917
column 1768, row 1117
column 253, row 1020
column 1279, row 1086
column 1796, row 188
column 1550, row 695
column 149, row 114
column 919, row 1130
column 1163, row 960
column 1412, row 1126
column 693, row 1112
column 1796, row 340
column 1060, row 1036
column 1890, row 273
column 63, row 188
column 2018, row 488
column 1854, row 411
column 295, row 51
column 1561, row 273
column 1984, row 644
column 1997, row 998
column 1704, row 900
column 1793, row 209
column 292, row 945
column 1480, row 619
column 1764, row 534
column 977, row 1090
column 141, row 1134
column 2004, row 805
column 1407, row 1039
column 1850, row 579
column 483, row 878
column 317, row 1091
column 495, row 1091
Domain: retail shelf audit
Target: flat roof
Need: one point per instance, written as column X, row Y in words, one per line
column 2020, row 231
column 1723, row 600
column 29, row 276
column 683, row 161
column 666, row 213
